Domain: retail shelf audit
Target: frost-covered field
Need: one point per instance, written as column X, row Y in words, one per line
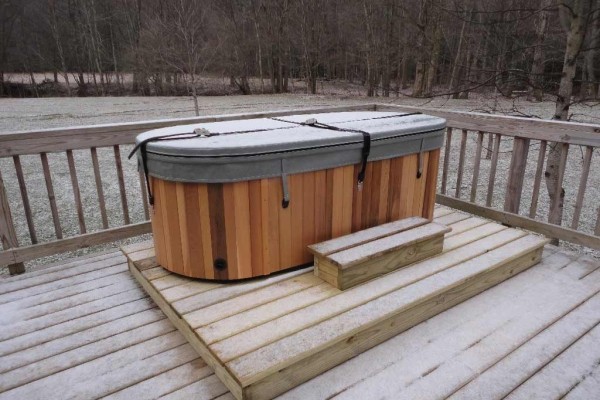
column 31, row 114
column 28, row 114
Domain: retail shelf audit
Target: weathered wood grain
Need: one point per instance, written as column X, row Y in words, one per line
column 530, row 128
column 229, row 323
column 121, row 180
column 476, row 166
column 461, row 163
column 537, row 180
column 447, row 149
column 26, row 253
column 76, row 191
column 8, row 236
column 585, row 172
column 51, row 197
column 493, row 166
column 510, row 219
column 99, row 189
column 516, row 175
column 25, row 198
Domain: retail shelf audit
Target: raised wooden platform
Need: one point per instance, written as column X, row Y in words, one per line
column 266, row 336
column 85, row 329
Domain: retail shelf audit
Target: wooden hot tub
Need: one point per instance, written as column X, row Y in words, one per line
column 239, row 199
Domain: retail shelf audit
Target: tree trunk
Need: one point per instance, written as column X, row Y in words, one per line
column 575, row 34
column 456, row 67
column 195, row 96
column 589, row 88
column 260, row 61
column 537, row 67
column 435, row 56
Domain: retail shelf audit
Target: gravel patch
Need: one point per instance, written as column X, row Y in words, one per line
column 31, row 114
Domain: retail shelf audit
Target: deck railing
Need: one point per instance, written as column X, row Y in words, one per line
column 479, row 142
column 521, row 146
column 43, row 144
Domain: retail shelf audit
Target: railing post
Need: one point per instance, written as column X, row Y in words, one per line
column 516, row 174
column 8, row 236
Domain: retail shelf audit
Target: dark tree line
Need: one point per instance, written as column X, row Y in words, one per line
column 417, row 47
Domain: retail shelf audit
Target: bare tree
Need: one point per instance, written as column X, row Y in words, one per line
column 573, row 18
column 179, row 35
column 9, row 15
column 537, row 67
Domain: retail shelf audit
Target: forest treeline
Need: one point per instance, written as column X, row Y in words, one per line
column 416, row 47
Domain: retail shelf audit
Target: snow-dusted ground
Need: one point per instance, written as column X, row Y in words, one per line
column 31, row 114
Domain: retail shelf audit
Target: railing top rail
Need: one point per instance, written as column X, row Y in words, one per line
column 556, row 131
column 83, row 137
column 60, row 139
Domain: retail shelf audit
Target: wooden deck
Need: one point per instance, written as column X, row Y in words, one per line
column 87, row 330
column 266, row 336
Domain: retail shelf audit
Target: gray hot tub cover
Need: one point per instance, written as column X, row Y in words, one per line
column 243, row 150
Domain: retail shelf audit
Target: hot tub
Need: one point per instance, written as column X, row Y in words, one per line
column 239, row 199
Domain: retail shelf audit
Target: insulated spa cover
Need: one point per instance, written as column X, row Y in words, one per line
column 239, row 199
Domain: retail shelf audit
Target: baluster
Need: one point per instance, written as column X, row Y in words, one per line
column 476, row 166
column 587, row 161
column 538, row 179
column 99, row 190
column 516, row 174
column 446, row 159
column 461, row 163
column 144, row 194
column 493, row 166
column 25, row 198
column 121, row 184
column 51, row 197
column 8, row 236
column 597, row 229
column 488, row 152
column 554, row 217
column 76, row 192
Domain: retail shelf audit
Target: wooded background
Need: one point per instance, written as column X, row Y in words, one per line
column 414, row 47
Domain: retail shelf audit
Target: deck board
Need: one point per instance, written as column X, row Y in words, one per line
column 535, row 335
column 279, row 350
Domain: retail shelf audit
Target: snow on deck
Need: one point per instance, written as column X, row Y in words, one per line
column 85, row 329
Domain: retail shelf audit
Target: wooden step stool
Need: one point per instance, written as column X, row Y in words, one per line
column 350, row 260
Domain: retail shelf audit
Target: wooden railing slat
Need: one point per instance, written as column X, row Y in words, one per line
column 597, row 229
column 516, row 175
column 144, row 194
column 446, row 159
column 476, row 166
column 121, row 180
column 493, row 167
column 51, row 197
column 490, row 144
column 554, row 217
column 76, row 191
column 25, row 199
column 8, row 236
column 99, row 189
column 461, row 163
column 585, row 172
column 538, row 179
